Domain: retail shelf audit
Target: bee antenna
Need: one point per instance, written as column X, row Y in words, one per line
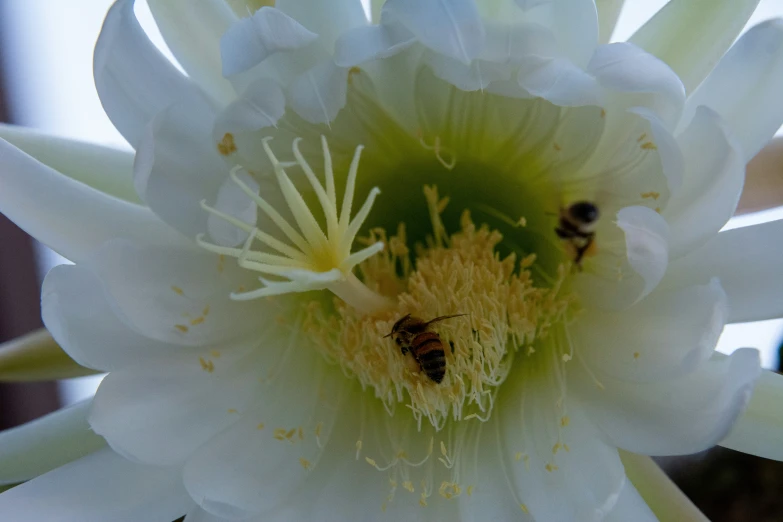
column 444, row 317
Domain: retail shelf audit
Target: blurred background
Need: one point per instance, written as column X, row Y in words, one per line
column 46, row 83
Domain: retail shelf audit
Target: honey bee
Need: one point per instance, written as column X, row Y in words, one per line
column 576, row 224
column 413, row 335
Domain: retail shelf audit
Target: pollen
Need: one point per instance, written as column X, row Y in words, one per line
column 206, row 365
column 226, row 146
column 498, row 310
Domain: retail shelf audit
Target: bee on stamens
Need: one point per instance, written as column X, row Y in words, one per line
column 575, row 226
column 413, row 335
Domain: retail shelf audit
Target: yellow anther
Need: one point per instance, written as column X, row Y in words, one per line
column 182, row 328
column 197, row 320
column 551, row 467
column 280, row 433
column 177, row 290
column 566, row 357
column 565, row 421
column 649, row 146
column 556, row 448
column 408, row 485
column 524, row 509
column 206, row 365
column 370, row 461
column 518, row 456
column 469, row 490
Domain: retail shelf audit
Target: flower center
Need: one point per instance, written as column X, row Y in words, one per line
column 463, row 315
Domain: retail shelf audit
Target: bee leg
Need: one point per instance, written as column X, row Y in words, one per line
column 404, row 350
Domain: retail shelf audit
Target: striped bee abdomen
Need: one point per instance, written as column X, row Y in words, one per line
column 427, row 348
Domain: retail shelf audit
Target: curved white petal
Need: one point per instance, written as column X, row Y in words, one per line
column 176, row 295
column 77, row 313
column 161, row 411
column 319, row 93
column 371, row 42
column 178, row 165
column 250, row 40
column 452, row 28
column 134, row 80
column 646, row 243
column 760, row 428
column 102, row 168
column 608, row 13
column 559, row 81
column 667, row 335
column 745, row 86
column 625, row 68
column 192, row 30
column 747, row 262
column 631, row 506
column 326, row 19
column 691, row 37
column 46, row 443
column 582, row 482
column 674, row 417
column 714, row 175
column 68, row 216
column 99, row 487
column 236, row 203
column 261, row 105
column 276, row 443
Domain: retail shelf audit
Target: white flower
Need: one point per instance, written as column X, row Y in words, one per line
column 251, row 376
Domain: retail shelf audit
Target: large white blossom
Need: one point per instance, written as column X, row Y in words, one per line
column 320, row 173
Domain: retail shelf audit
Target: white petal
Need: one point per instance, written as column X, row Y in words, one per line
column 250, row 40
column 160, row 412
column 669, row 151
column 608, row 13
column 134, row 80
column 176, row 295
column 747, row 262
column 67, row 215
column 192, row 30
column 96, row 488
column 631, row 506
column 233, row 201
column 667, row 335
column 326, row 19
column 715, row 172
column 581, row 483
column 759, row 429
column 226, row 475
column 646, row 243
column 371, row 42
column 178, row 165
column 691, row 37
column 744, row 89
column 628, row 69
column 452, row 28
column 261, row 105
column 78, row 314
column 674, row 417
column 559, row 81
column 46, row 443
column 477, row 75
column 320, row 93
column 102, row 168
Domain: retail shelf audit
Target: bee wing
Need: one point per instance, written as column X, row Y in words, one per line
column 443, row 318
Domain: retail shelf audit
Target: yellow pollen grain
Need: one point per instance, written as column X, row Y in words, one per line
column 290, row 433
column 177, row 290
column 636, row 355
column 408, row 486
column 305, row 463
column 280, row 434
column 318, row 428
column 232, row 410
column 215, row 354
column 565, row 447
column 423, row 500
column 556, row 448
column 649, row 146
column 469, row 491
column 300, row 433
column 524, row 509
column 565, row 421
column 557, row 147
column 205, row 312
column 227, row 145
column 641, row 138
column 651, row 195
column 518, row 456
column 551, row 467
column 260, row 426
column 182, row 328
column 206, row 365
column 197, row 320
column 603, row 113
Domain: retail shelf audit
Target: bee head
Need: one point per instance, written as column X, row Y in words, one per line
column 583, row 212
